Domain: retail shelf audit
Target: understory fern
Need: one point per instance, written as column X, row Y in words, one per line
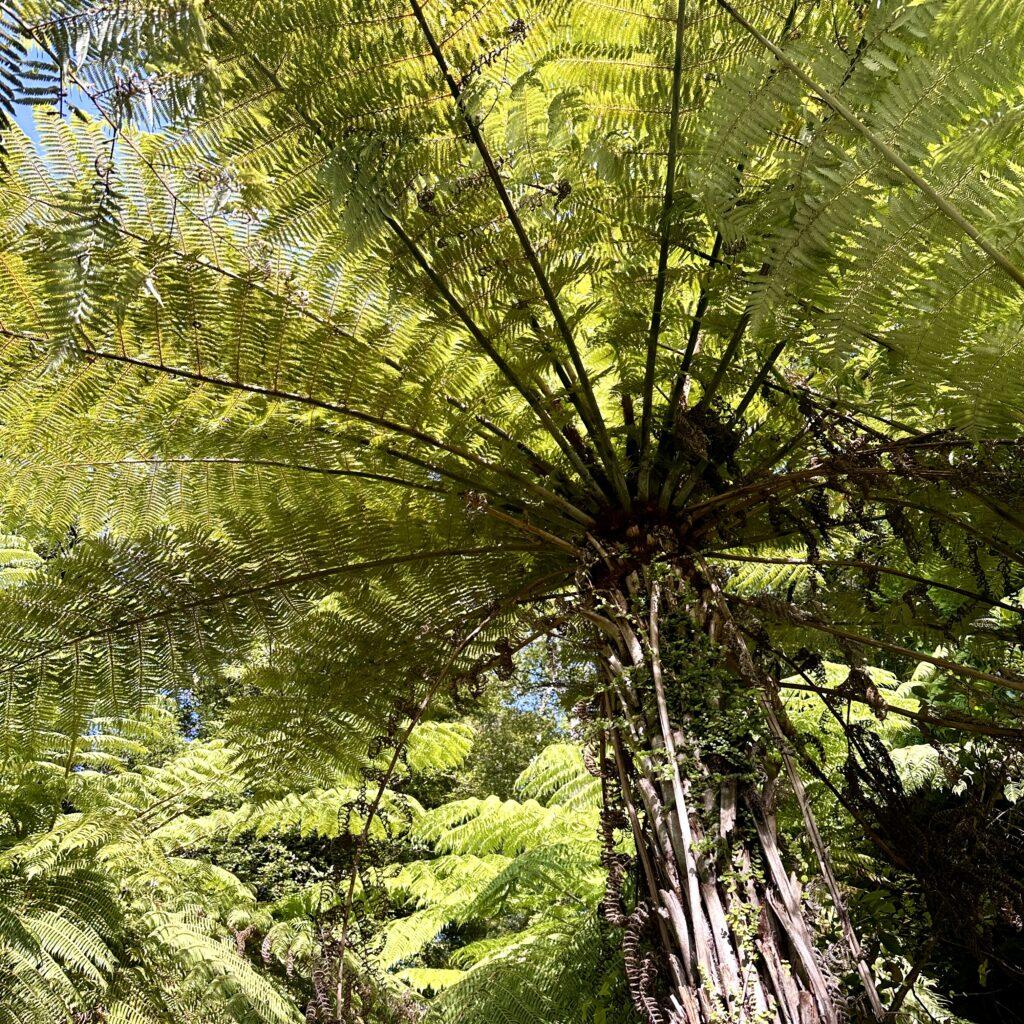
column 98, row 915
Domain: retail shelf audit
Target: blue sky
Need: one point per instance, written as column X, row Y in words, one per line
column 23, row 115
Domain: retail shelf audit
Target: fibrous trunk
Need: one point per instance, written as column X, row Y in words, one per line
column 720, row 930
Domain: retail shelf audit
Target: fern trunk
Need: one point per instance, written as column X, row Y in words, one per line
column 719, row 930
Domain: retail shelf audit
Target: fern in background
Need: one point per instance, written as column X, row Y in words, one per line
column 100, row 919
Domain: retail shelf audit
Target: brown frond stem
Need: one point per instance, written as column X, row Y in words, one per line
column 257, row 463
column 596, row 422
column 417, row 255
column 953, row 667
column 677, row 396
column 302, row 310
column 539, row 463
column 283, row 583
column 871, row 567
column 536, row 531
column 342, row 410
column 992, row 543
column 769, row 486
column 647, row 406
column 485, row 344
column 758, row 380
column 831, row 406
column 961, row 724
column 473, row 486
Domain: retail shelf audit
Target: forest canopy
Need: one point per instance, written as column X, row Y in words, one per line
column 511, row 512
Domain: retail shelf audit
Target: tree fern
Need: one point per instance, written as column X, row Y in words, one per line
column 351, row 347
column 533, row 875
